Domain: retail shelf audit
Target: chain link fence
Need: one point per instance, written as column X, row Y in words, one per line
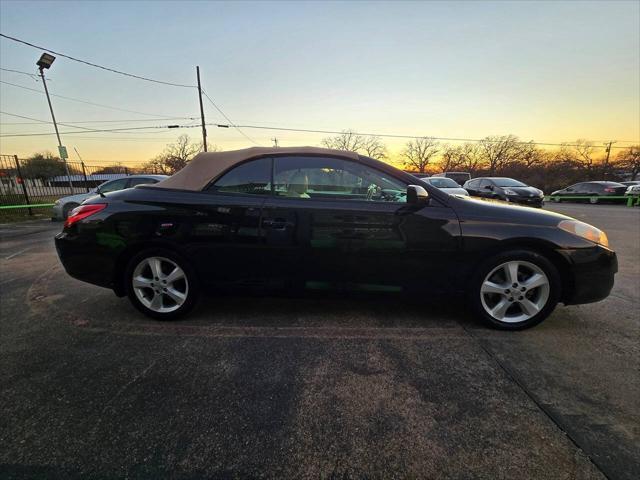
column 31, row 186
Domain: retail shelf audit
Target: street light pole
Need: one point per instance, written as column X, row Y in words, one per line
column 45, row 62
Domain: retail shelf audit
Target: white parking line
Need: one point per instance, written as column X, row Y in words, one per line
column 17, row 253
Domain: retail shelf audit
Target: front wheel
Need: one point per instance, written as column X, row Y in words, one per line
column 161, row 284
column 515, row 290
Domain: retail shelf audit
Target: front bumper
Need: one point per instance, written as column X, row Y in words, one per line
column 56, row 212
column 529, row 201
column 592, row 272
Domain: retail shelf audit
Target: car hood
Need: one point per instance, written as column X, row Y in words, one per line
column 471, row 209
column 525, row 191
column 455, row 191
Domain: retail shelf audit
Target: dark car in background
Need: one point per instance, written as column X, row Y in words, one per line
column 592, row 192
column 459, row 177
column 312, row 218
column 505, row 189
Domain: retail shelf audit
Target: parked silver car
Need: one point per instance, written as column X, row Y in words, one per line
column 64, row 205
column 446, row 185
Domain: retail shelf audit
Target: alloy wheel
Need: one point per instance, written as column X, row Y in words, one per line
column 160, row 284
column 514, row 291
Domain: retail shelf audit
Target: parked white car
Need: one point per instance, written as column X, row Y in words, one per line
column 446, row 185
column 63, row 206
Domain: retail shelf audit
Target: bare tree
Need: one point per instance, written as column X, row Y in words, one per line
column 499, row 151
column 450, row 159
column 530, row 155
column 629, row 158
column 374, row 147
column 418, row 153
column 175, row 156
column 347, row 140
column 470, row 158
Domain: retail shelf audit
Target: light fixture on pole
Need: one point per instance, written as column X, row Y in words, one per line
column 45, row 62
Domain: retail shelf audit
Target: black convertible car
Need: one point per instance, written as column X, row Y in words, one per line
column 305, row 218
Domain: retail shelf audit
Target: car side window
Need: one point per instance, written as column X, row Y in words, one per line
column 484, row 183
column 113, row 185
column 312, row 177
column 253, row 178
column 141, row 181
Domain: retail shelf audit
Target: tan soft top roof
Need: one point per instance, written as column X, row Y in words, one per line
column 206, row 166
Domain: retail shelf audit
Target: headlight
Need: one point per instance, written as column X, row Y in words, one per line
column 585, row 230
column 57, row 202
column 508, row 191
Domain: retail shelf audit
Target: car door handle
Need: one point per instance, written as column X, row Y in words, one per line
column 275, row 223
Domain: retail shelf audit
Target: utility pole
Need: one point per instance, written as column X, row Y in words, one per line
column 204, row 129
column 275, row 142
column 45, row 62
column 606, row 162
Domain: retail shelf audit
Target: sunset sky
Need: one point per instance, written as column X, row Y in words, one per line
column 548, row 71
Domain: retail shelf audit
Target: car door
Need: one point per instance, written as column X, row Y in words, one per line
column 569, row 191
column 485, row 189
column 472, row 187
column 225, row 233
column 583, row 189
column 114, row 185
column 333, row 222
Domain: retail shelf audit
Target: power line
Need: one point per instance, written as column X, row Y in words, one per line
column 228, row 119
column 32, row 75
column 383, row 135
column 91, row 64
column 162, row 117
column 69, row 125
column 286, row 129
column 38, row 122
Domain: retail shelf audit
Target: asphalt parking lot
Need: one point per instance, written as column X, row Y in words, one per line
column 265, row 387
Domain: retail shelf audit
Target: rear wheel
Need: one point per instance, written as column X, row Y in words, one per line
column 515, row 290
column 161, row 284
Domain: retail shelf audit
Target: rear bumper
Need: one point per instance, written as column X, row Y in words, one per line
column 85, row 259
column 592, row 274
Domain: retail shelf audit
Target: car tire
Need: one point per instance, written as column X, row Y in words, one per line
column 498, row 298
column 66, row 210
column 593, row 200
column 161, row 284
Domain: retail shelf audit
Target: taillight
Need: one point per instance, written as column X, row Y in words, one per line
column 609, row 189
column 83, row 211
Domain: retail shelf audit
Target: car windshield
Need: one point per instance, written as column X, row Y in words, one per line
column 508, row 182
column 442, row 182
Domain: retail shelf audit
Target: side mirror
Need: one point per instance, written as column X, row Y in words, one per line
column 417, row 195
column 488, row 187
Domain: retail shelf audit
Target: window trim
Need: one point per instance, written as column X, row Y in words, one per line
column 334, row 200
column 272, row 158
